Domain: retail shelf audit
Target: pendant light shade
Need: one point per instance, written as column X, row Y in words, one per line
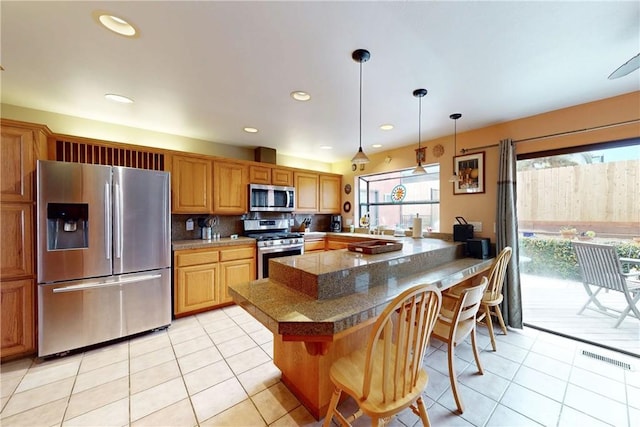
column 419, row 93
column 455, row 117
column 360, row 56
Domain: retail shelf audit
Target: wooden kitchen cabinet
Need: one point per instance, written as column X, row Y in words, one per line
column 329, row 194
column 259, row 174
column 191, row 185
column 306, row 184
column 202, row 276
column 16, row 228
column 314, row 245
column 17, row 323
column 230, row 190
column 18, row 166
column 21, row 145
column 237, row 265
column 283, row 177
column 196, row 280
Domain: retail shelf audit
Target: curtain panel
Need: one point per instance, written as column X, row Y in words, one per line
column 507, row 233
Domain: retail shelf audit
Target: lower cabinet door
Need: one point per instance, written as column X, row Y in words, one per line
column 234, row 272
column 17, row 308
column 198, row 288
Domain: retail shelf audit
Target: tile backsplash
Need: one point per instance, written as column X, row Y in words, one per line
column 232, row 224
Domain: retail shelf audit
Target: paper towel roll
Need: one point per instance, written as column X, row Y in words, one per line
column 417, row 228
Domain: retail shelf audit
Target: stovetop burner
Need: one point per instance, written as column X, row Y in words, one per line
column 274, row 235
column 271, row 233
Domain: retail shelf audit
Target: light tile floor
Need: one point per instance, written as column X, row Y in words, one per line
column 215, row 369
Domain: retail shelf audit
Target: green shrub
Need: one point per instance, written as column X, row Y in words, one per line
column 551, row 257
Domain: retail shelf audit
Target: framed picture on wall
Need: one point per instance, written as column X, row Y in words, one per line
column 470, row 171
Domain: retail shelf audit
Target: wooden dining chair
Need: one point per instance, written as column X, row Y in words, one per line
column 493, row 295
column 456, row 322
column 388, row 376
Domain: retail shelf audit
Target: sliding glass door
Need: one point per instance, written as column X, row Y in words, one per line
column 592, row 195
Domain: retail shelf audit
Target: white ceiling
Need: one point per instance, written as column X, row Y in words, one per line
column 207, row 69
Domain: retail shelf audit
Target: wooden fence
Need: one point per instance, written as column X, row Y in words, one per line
column 599, row 195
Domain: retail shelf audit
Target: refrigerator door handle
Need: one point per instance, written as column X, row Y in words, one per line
column 107, row 219
column 117, row 221
column 94, row 285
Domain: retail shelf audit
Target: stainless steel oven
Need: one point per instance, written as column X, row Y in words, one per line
column 266, row 253
column 273, row 241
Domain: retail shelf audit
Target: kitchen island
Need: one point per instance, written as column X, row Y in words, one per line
column 320, row 306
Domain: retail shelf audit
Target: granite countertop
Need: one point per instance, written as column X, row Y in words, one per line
column 177, row 245
column 288, row 311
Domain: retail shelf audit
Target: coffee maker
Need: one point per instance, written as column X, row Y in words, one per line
column 336, row 223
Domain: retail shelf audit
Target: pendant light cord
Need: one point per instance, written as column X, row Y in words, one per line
column 360, row 137
column 419, row 130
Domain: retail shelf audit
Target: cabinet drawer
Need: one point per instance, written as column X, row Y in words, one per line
column 314, row 245
column 187, row 258
column 237, row 253
column 336, row 244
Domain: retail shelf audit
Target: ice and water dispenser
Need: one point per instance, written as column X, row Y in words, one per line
column 67, row 226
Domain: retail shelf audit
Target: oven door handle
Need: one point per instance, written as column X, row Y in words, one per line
column 281, row 248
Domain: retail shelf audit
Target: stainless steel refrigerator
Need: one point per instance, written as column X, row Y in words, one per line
column 104, row 254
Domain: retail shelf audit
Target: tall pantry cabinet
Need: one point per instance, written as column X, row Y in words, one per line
column 21, row 145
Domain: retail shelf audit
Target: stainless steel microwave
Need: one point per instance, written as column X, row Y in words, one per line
column 271, row 198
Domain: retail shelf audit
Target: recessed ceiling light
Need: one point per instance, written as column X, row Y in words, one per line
column 118, row 98
column 326, row 147
column 250, row 130
column 115, row 24
column 377, row 145
column 300, row 95
column 386, row 126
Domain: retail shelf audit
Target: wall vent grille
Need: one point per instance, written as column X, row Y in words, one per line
column 624, row 365
column 85, row 152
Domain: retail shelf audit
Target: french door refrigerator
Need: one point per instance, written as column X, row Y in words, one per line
column 104, row 254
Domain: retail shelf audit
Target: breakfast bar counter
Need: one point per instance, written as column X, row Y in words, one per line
column 320, row 306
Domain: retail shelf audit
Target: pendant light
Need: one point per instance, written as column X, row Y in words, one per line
column 360, row 56
column 455, row 117
column 419, row 93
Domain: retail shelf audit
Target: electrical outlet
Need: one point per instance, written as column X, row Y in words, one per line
column 477, row 225
column 189, row 224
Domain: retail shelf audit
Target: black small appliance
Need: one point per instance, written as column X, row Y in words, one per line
column 462, row 231
column 336, row 223
column 479, row 248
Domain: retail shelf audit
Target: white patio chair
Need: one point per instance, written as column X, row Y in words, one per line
column 601, row 267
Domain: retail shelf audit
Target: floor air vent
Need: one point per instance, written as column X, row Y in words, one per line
column 618, row 363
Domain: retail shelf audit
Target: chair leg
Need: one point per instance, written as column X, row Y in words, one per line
column 476, row 353
column 453, row 379
column 423, row 412
column 333, row 404
column 500, row 319
column 592, row 298
column 631, row 306
column 489, row 325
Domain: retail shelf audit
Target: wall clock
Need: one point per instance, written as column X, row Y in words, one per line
column 437, row 150
column 347, row 188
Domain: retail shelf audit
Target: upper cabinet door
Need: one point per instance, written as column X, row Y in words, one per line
column 16, row 155
column 191, row 185
column 259, row 174
column 306, row 184
column 230, row 190
column 282, row 177
column 329, row 189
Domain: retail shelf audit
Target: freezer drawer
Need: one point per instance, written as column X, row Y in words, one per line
column 76, row 314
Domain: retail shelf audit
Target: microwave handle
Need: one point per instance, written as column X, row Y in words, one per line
column 288, row 198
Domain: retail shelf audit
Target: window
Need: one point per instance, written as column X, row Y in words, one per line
column 392, row 199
